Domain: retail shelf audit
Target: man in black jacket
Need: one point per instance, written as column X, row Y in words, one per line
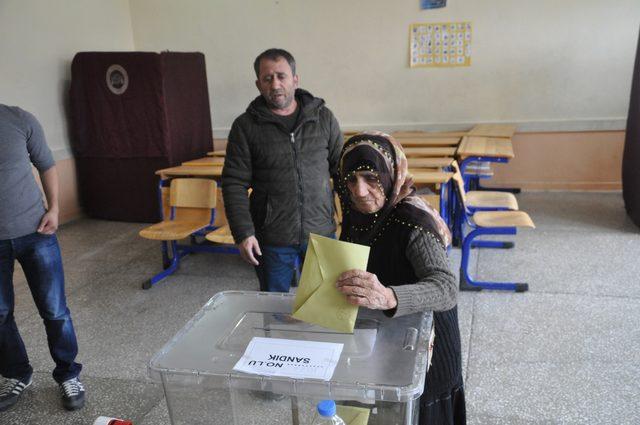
column 285, row 147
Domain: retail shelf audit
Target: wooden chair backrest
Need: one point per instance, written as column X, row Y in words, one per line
column 193, row 193
column 459, row 182
column 338, row 208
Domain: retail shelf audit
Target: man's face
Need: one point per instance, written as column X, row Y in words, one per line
column 277, row 84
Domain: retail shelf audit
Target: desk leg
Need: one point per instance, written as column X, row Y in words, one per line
column 498, row 189
column 295, row 413
column 166, row 260
column 473, row 182
column 444, row 199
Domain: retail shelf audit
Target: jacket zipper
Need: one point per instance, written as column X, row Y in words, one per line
column 300, row 196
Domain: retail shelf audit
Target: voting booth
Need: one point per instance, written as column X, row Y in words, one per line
column 133, row 113
column 631, row 154
column 380, row 370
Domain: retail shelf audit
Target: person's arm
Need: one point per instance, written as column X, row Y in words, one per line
column 49, row 222
column 437, row 288
column 236, row 181
column 40, row 156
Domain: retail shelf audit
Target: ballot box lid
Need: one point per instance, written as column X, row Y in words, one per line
column 383, row 359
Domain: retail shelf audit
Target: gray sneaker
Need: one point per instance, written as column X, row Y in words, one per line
column 72, row 394
column 10, row 392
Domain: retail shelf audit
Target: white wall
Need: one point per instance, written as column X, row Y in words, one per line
column 38, row 39
column 546, row 64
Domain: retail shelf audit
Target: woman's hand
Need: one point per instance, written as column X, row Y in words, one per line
column 364, row 289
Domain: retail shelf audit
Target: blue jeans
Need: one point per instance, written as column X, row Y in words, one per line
column 279, row 265
column 40, row 258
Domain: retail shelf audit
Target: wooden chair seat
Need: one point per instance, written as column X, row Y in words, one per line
column 502, row 219
column 172, row 230
column 221, row 235
column 487, row 199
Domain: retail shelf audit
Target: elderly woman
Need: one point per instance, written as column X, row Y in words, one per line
column 408, row 269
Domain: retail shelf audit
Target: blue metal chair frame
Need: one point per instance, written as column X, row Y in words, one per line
column 468, row 242
column 457, row 216
column 178, row 251
column 460, row 217
column 465, row 163
column 466, row 282
column 472, row 182
column 445, row 202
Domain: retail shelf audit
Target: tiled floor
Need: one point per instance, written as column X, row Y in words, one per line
column 567, row 351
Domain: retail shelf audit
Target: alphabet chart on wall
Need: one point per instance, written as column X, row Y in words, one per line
column 440, row 44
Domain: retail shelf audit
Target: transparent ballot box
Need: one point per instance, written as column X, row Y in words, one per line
column 382, row 366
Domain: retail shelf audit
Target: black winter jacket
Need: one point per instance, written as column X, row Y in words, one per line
column 288, row 172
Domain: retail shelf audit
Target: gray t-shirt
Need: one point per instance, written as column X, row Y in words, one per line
column 22, row 143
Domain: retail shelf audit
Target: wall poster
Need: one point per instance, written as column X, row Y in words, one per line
column 432, row 4
column 440, row 44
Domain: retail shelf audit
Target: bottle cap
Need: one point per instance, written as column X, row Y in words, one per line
column 327, row 408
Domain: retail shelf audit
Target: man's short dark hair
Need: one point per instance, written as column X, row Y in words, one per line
column 274, row 55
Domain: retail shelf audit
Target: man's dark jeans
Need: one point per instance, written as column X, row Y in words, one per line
column 39, row 256
column 278, row 265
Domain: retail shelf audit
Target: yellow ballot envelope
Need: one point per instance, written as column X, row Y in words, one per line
column 353, row 415
column 318, row 301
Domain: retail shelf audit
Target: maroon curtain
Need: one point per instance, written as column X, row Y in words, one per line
column 631, row 155
column 132, row 114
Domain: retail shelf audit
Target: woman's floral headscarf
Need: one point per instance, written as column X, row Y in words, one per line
column 381, row 154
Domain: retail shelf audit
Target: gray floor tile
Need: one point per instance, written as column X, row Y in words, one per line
column 552, row 393
column 87, row 238
column 582, row 263
column 120, row 326
column 577, row 212
column 466, row 302
column 564, row 352
column 220, row 265
column 159, row 415
column 40, row 404
column 510, row 328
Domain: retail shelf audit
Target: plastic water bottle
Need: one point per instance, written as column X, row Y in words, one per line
column 103, row 420
column 326, row 414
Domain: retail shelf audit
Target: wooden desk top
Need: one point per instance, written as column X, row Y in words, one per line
column 429, row 162
column 420, row 141
column 217, row 153
column 485, row 146
column 191, row 170
column 430, row 177
column 207, row 160
column 493, row 130
column 420, row 177
column 413, row 162
column 427, row 134
column 429, row 152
